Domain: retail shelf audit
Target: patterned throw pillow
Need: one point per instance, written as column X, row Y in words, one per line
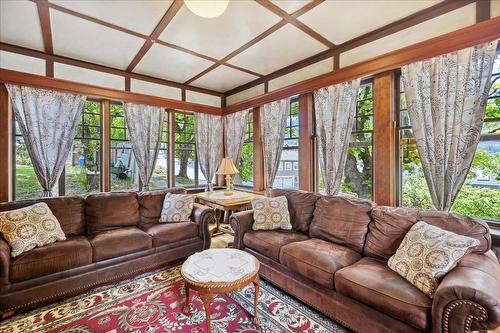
column 30, row 227
column 427, row 253
column 177, row 208
column 271, row 214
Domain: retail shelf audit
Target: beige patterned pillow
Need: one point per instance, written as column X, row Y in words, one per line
column 177, row 208
column 271, row 214
column 427, row 253
column 30, row 227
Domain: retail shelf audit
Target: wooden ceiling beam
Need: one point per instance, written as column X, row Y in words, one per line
column 44, row 16
column 295, row 22
column 101, row 68
column 409, row 21
column 165, row 20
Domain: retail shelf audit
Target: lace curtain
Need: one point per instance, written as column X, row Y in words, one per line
column 335, row 107
column 272, row 125
column 208, row 137
column 234, row 134
column 446, row 98
column 47, row 120
column 144, row 123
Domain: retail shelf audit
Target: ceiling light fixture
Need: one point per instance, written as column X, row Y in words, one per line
column 207, row 8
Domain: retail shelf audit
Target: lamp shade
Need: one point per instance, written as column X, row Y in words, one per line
column 227, row 167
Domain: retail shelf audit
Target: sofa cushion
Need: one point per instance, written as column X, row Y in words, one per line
column 341, row 220
column 151, row 203
column 69, row 211
column 57, row 257
column 167, row 233
column 317, row 259
column 269, row 243
column 301, row 206
column 371, row 282
column 119, row 242
column 390, row 225
column 107, row 211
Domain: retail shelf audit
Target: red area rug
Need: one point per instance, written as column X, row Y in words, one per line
column 153, row 303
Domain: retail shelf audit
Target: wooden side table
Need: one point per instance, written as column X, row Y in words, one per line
column 216, row 271
column 220, row 203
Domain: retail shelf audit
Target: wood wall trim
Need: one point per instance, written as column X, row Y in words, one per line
column 483, row 8
column 100, row 68
column 384, row 141
column 409, row 21
column 6, row 144
column 171, row 148
column 472, row 35
column 306, row 146
column 105, row 146
column 14, row 77
column 44, row 16
column 258, row 153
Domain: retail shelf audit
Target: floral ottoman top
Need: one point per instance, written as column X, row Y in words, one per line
column 219, row 265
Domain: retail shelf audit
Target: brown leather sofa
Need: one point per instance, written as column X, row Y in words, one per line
column 335, row 260
column 110, row 236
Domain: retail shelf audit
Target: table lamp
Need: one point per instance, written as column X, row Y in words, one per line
column 227, row 168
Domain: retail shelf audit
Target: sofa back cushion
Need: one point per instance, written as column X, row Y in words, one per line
column 390, row 225
column 341, row 220
column 69, row 211
column 107, row 211
column 151, row 203
column 301, row 206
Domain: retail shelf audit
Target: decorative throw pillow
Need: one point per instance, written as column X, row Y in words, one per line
column 427, row 253
column 30, row 227
column 177, row 208
column 271, row 214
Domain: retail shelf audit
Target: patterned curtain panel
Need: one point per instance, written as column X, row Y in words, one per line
column 47, row 120
column 234, row 134
column 144, row 123
column 208, row 137
column 335, row 107
column 446, row 99
column 272, row 126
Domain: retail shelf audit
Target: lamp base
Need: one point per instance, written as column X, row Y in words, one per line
column 228, row 191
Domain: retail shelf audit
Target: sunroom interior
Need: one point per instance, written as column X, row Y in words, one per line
column 321, row 140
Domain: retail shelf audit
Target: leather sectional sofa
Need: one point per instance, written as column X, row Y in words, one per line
column 335, row 260
column 110, row 236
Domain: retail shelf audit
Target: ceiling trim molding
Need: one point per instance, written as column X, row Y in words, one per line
column 44, row 16
column 165, row 20
column 290, row 18
column 404, row 23
column 101, row 68
column 14, row 77
column 466, row 37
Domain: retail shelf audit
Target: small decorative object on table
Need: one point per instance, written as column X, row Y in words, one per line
column 217, row 271
column 227, row 168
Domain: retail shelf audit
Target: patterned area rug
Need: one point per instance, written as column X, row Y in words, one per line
column 153, row 302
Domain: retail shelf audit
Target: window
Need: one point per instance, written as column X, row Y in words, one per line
column 159, row 179
column 480, row 194
column 82, row 169
column 26, row 184
column 245, row 177
column 357, row 178
column 122, row 163
column 287, row 176
column 186, row 166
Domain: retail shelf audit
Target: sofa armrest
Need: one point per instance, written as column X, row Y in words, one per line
column 4, row 264
column 241, row 222
column 468, row 298
column 203, row 215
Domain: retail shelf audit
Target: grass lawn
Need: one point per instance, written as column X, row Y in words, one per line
column 27, row 186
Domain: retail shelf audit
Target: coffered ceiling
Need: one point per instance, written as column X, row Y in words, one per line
column 163, row 39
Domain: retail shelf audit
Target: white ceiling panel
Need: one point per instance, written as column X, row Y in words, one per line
column 140, row 16
column 171, row 64
column 154, row 89
column 245, row 94
column 81, row 39
column 280, row 49
column 22, row 63
column 223, row 78
column 302, row 74
column 290, row 6
column 20, row 25
column 340, row 21
column 88, row 76
column 219, row 36
column 201, row 98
